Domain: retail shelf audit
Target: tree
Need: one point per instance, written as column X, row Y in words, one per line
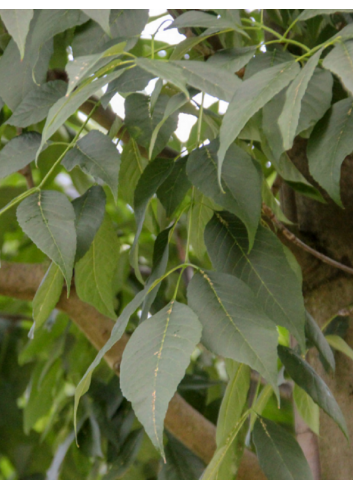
column 214, row 275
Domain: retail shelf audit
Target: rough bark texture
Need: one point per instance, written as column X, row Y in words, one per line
column 329, row 229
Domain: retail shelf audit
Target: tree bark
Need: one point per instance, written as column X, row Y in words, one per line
column 21, row 281
column 329, row 229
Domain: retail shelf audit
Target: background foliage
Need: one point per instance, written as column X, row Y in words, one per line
column 174, row 240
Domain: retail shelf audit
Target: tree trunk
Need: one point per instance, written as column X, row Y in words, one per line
column 327, row 290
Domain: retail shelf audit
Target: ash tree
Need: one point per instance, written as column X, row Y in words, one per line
column 213, row 275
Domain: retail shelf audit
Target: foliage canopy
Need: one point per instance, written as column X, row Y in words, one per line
column 174, row 241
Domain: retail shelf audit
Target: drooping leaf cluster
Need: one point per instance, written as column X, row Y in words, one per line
column 166, row 237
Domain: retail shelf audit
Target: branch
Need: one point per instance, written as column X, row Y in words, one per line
column 293, row 239
column 21, row 281
column 27, row 173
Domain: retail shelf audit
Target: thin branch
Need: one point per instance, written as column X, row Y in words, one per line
column 27, row 173
column 293, row 239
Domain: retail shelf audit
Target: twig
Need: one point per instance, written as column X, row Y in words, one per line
column 291, row 237
column 14, row 317
column 27, row 173
column 346, row 311
column 276, row 184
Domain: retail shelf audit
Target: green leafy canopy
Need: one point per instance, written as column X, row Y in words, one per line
column 151, row 192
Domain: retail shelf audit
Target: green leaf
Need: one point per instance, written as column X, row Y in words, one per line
column 22, row 73
column 316, row 336
column 99, row 16
column 161, row 346
column 53, row 21
column 210, row 79
column 230, row 412
column 234, row 399
column 340, row 62
column 126, row 456
column 82, row 67
column 160, row 261
column 329, row 143
column 173, row 104
column 128, row 22
column 310, row 13
column 289, row 118
column 152, row 177
column 124, row 24
column 339, row 344
column 36, row 105
column 221, row 454
column 94, row 273
column 48, row 218
column 232, row 59
column 89, row 210
column 17, row 23
column 182, row 464
column 280, row 456
column 132, row 80
column 316, row 100
column 201, row 213
column 165, row 70
column 253, row 94
column 137, row 118
column 97, row 156
column 234, row 325
column 42, row 393
column 184, row 46
column 260, row 404
column 47, row 296
column 262, row 61
column 116, row 334
column 172, row 191
column 66, row 106
column 195, row 18
column 154, row 131
column 308, row 410
column 241, row 182
column 18, row 153
column 306, row 377
column 131, row 168
column 265, row 270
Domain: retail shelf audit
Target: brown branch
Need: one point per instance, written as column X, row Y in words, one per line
column 21, row 281
column 293, row 239
column 27, row 173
